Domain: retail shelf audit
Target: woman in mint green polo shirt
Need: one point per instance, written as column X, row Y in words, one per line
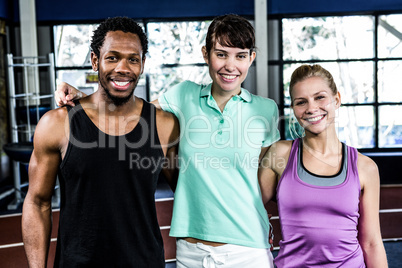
column 218, row 216
column 218, row 212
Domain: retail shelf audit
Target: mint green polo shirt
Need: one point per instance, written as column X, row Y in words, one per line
column 218, row 196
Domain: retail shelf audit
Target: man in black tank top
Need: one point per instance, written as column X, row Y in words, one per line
column 108, row 151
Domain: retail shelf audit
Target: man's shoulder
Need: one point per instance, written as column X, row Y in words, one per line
column 165, row 116
column 54, row 117
column 52, row 129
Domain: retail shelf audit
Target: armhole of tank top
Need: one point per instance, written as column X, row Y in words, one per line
column 353, row 170
column 152, row 117
column 68, row 150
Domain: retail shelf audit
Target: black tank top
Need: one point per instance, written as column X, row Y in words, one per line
column 107, row 183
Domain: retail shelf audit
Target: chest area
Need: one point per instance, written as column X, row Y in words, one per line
column 307, row 201
column 236, row 126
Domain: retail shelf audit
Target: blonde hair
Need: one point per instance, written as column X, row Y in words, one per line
column 306, row 71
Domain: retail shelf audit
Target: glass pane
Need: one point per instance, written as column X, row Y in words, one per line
column 331, row 38
column 72, row 44
column 355, row 126
column 176, row 42
column 161, row 79
column 390, row 36
column 78, row 78
column 389, row 81
column 354, row 80
column 390, row 126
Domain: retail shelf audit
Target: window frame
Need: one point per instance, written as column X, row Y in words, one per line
column 280, row 63
column 277, row 61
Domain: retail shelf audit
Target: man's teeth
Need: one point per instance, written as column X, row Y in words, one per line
column 314, row 119
column 121, row 84
column 229, row 76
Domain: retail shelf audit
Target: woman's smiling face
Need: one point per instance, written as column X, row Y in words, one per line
column 228, row 67
column 314, row 104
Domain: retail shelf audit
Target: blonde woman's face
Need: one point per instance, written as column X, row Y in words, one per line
column 314, row 104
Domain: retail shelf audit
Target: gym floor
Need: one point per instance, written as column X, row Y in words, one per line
column 393, row 248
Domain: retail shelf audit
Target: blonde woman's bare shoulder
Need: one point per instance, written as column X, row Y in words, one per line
column 277, row 156
column 366, row 163
column 368, row 170
column 282, row 147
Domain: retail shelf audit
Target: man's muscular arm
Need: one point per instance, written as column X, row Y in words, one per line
column 37, row 212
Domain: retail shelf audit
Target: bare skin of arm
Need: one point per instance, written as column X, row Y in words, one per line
column 169, row 132
column 271, row 168
column 49, row 142
column 171, row 170
column 369, row 233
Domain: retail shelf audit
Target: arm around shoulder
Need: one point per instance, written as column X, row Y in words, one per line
column 169, row 134
column 271, row 168
column 65, row 94
column 369, row 233
column 49, row 140
column 156, row 103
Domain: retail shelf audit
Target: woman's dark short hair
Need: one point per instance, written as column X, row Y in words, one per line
column 231, row 31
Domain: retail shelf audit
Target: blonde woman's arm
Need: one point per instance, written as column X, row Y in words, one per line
column 369, row 233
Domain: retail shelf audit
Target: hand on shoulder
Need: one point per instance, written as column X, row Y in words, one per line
column 66, row 94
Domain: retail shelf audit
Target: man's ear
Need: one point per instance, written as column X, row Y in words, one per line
column 94, row 61
column 205, row 54
column 143, row 64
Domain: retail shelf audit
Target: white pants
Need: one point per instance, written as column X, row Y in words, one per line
column 189, row 255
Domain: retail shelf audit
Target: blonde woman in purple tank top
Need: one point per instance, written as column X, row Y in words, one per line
column 327, row 192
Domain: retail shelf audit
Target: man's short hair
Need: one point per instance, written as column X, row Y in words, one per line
column 123, row 24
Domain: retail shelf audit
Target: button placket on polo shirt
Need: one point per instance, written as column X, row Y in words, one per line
column 220, row 129
column 224, row 134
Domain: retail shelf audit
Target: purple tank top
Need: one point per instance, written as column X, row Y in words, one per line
column 319, row 223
